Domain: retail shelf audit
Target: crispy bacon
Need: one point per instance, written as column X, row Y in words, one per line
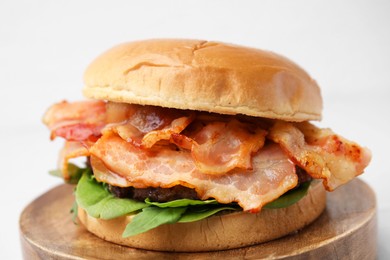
column 146, row 125
column 119, row 112
column 322, row 153
column 220, row 147
column 69, row 151
column 76, row 121
column 161, row 166
column 175, row 127
column 127, row 132
column 78, row 132
column 221, row 157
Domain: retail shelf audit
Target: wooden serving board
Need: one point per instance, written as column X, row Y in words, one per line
column 346, row 230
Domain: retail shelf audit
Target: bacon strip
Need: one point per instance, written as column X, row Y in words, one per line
column 274, row 173
column 175, row 127
column 69, row 151
column 220, row 147
column 215, row 149
column 76, row 121
column 322, row 153
column 144, row 126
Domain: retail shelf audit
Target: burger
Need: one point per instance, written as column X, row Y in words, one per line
column 198, row 146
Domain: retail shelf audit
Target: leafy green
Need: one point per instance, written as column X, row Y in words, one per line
column 56, row 173
column 289, row 197
column 195, row 214
column 180, row 203
column 95, row 198
column 100, row 203
column 152, row 217
column 74, row 172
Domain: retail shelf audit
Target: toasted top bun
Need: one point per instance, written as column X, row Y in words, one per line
column 218, row 232
column 206, row 76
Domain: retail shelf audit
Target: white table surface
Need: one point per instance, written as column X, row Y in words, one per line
column 46, row 45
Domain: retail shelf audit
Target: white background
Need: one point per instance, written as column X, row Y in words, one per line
column 46, row 45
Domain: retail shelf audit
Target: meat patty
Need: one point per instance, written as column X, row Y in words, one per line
column 155, row 194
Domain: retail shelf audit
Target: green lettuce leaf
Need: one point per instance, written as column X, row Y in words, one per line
column 180, row 203
column 152, row 217
column 289, row 197
column 100, row 203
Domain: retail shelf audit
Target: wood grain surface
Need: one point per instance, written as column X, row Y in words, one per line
column 346, row 230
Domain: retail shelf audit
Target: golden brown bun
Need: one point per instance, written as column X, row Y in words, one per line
column 206, row 76
column 217, row 232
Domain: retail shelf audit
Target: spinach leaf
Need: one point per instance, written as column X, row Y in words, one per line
column 100, row 203
column 289, row 197
column 152, row 217
column 95, row 198
column 74, row 172
column 192, row 214
column 180, row 203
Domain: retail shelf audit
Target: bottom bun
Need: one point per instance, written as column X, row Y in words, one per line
column 218, row 232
